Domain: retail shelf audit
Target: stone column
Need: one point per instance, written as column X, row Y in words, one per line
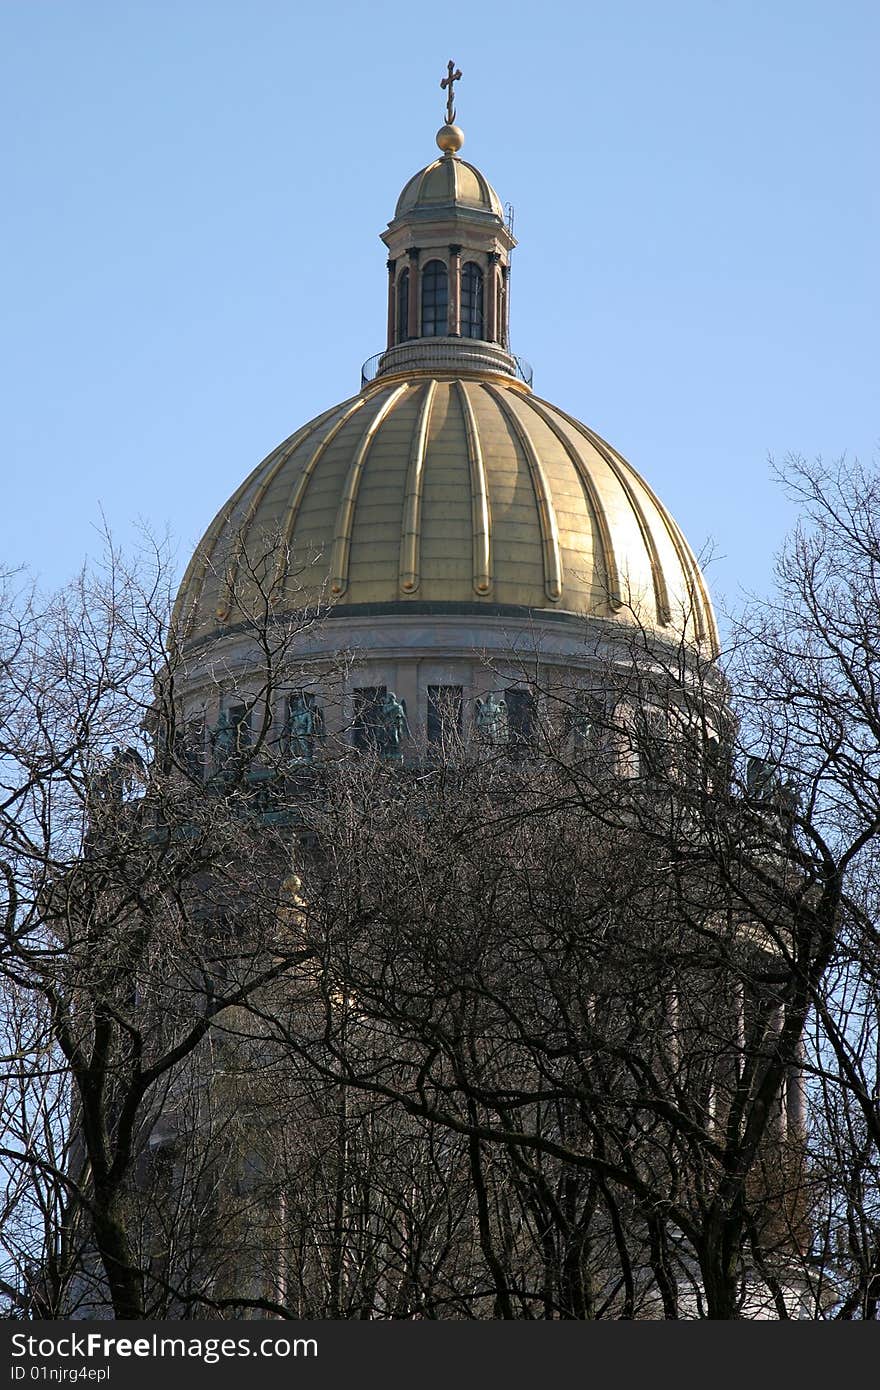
column 739, row 1005
column 453, row 326
column 407, row 689
column 795, row 1097
column 727, row 1069
column 505, row 307
column 673, row 1040
column 492, row 298
column 412, row 326
column 778, row 1125
column 391, row 306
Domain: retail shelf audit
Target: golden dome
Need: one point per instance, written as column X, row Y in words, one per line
column 446, row 490
column 448, row 181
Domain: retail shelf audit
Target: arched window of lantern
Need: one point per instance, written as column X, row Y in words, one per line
column 402, row 305
column 435, row 300
column 471, row 301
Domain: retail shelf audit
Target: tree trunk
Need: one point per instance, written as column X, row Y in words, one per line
column 123, row 1276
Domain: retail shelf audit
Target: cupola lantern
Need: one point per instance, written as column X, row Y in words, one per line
column 448, row 267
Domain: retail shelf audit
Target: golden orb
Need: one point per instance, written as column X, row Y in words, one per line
column 450, row 138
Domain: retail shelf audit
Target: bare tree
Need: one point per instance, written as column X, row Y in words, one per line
column 808, row 673
column 557, row 975
column 576, row 1019
column 122, row 871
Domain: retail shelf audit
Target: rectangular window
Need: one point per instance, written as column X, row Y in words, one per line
column 298, row 727
column 189, row 747
column 653, row 745
column 240, row 721
column 717, row 764
column 588, row 724
column 194, row 747
column 444, row 714
column 308, row 697
column 367, row 700
column 522, row 716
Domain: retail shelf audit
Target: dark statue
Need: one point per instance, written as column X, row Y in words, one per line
column 762, row 779
column 491, row 718
column 588, row 722
column 301, row 731
column 223, row 741
column 392, row 726
column 117, row 778
column 765, row 785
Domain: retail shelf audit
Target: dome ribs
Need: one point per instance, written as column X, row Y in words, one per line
column 348, row 501
column 700, row 605
column 199, row 567
column 411, row 531
column 449, row 489
column 594, row 502
column 289, row 521
column 481, row 521
column 270, row 469
column 552, row 554
column 661, row 592
column 487, row 192
column 448, row 183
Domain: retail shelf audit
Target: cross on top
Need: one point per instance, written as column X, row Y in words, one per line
column 453, row 76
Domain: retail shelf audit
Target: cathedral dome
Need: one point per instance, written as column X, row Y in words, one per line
column 446, row 487
column 438, row 492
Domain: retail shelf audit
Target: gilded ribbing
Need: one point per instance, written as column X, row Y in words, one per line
column 200, row 564
column 594, row 501
column 546, row 513
column 484, row 186
column 480, row 522
column 271, row 472
column 661, row 593
column 348, row 502
column 293, row 507
column 705, row 614
column 411, row 534
column 701, row 604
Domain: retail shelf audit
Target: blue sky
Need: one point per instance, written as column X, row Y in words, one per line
column 194, row 193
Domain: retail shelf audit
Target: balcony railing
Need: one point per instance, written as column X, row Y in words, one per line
column 448, row 355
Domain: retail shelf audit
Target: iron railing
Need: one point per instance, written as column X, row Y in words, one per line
column 446, row 357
